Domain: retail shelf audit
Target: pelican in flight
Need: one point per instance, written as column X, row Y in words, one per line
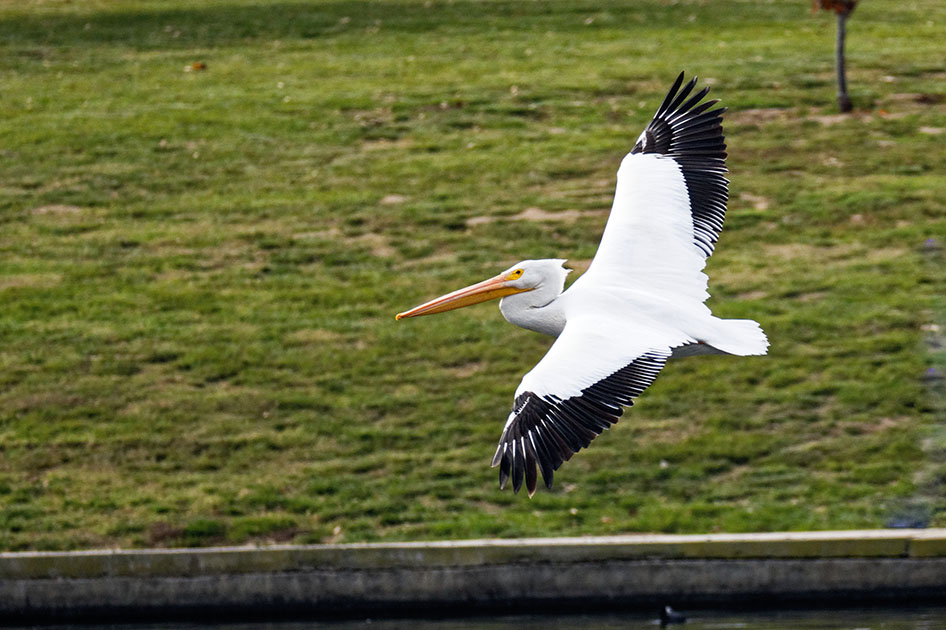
column 640, row 303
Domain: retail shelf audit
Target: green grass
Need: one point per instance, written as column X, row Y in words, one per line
column 199, row 270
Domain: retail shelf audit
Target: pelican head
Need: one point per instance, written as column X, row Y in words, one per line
column 544, row 279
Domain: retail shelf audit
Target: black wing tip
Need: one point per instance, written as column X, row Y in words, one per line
column 547, row 431
column 497, row 457
column 529, row 473
column 676, row 105
column 678, row 84
column 690, row 132
column 679, row 116
column 670, row 94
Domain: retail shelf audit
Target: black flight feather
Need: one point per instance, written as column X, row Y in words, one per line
column 686, row 132
column 546, row 430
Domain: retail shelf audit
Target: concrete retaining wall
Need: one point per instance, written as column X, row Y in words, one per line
column 475, row 576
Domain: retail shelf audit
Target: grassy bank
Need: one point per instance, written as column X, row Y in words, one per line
column 199, row 268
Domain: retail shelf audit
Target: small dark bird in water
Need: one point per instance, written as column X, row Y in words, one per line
column 668, row 616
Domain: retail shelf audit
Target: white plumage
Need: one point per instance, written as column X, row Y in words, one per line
column 640, row 303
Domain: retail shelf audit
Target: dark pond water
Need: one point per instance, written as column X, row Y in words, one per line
column 860, row 619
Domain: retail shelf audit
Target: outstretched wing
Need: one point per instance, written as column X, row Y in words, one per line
column 670, row 201
column 668, row 210
column 596, row 367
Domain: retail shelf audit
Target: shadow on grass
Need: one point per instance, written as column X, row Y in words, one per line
column 178, row 28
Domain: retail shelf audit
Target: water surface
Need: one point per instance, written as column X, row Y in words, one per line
column 853, row 619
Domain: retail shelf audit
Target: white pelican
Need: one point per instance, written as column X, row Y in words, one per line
column 640, row 303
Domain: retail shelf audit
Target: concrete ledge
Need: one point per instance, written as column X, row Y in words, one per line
column 476, row 575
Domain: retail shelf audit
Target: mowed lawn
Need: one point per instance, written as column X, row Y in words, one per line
column 210, row 212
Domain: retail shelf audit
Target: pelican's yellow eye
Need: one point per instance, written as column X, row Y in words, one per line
column 515, row 275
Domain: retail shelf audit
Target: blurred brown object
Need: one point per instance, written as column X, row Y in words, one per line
column 199, row 65
column 845, row 7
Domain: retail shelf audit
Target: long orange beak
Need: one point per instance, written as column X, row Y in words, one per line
column 474, row 294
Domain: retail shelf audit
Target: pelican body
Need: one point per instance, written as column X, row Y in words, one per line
column 640, row 303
